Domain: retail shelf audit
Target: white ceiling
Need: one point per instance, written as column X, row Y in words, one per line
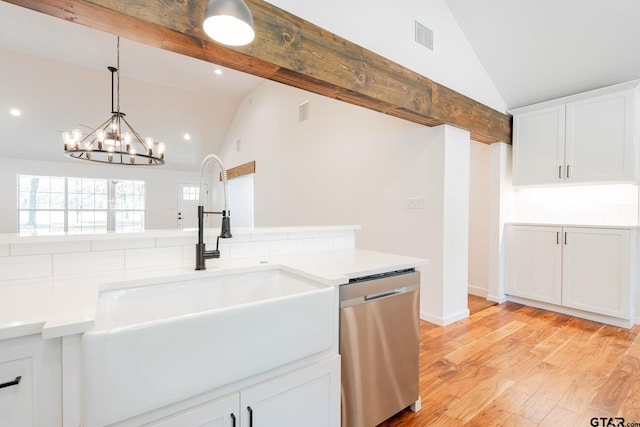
column 536, row 50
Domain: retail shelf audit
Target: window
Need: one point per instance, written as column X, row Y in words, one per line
column 190, row 193
column 53, row 205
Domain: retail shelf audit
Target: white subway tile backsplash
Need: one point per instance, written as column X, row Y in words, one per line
column 284, row 247
column 115, row 244
column 319, row 244
column 263, row 237
column 25, row 267
column 87, row 262
column 31, row 258
column 588, row 205
column 176, row 241
column 154, row 257
column 249, row 250
column 42, row 248
column 333, row 233
column 303, row 234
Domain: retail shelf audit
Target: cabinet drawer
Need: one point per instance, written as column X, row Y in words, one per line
column 16, row 399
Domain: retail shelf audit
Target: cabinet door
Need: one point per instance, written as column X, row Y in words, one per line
column 36, row 400
column 600, row 138
column 16, row 394
column 223, row 412
column 535, row 263
column 538, row 146
column 596, row 271
column 307, row 397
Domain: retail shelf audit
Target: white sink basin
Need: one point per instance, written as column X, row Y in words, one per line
column 158, row 344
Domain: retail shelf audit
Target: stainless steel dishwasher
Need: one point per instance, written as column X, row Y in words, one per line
column 379, row 346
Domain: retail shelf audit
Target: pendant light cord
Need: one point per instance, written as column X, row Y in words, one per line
column 118, row 72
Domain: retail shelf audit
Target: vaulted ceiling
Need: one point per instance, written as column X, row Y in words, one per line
column 532, row 51
column 544, row 49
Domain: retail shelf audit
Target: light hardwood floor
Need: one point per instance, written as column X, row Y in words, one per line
column 513, row 365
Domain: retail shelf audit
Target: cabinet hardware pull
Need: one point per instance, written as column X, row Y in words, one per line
column 233, row 420
column 11, row 383
column 560, row 172
column 565, row 237
column 557, row 237
column 568, row 176
column 250, row 416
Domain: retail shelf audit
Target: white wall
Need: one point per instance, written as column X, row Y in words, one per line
column 344, row 165
column 161, row 186
column 388, row 30
column 479, row 209
column 349, row 165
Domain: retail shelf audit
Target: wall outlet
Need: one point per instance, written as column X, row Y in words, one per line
column 416, row 203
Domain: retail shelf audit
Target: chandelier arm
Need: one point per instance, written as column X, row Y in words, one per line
column 93, row 132
column 136, row 134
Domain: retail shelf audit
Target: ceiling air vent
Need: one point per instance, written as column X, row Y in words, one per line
column 424, row 36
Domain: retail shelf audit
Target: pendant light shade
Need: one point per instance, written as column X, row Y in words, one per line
column 228, row 22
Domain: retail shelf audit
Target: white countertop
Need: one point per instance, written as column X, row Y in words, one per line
column 552, row 224
column 65, row 305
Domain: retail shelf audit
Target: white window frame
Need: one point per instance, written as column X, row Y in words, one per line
column 83, row 197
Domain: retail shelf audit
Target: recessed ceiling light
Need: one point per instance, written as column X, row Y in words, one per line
column 15, row 112
column 218, row 71
column 187, row 137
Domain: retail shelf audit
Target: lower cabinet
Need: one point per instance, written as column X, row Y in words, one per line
column 308, row 396
column 30, row 382
column 583, row 268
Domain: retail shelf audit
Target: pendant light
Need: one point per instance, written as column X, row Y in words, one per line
column 228, row 22
column 114, row 141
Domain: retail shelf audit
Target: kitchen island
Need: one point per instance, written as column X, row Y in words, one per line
column 43, row 317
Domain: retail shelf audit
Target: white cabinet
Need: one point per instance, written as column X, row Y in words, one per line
column 222, row 412
column 596, row 271
column 583, row 268
column 308, row 396
column 538, row 146
column 30, row 375
column 535, row 268
column 590, row 137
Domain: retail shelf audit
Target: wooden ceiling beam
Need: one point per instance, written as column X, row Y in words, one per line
column 292, row 51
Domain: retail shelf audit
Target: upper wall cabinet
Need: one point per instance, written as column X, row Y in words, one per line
column 586, row 138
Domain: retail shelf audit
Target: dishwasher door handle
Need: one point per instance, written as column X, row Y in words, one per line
column 363, row 299
column 385, row 294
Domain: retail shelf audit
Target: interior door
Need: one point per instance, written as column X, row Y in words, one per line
column 188, row 198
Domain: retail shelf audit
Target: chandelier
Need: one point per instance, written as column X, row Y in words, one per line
column 114, row 141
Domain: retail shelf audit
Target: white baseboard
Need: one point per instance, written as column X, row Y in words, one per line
column 444, row 321
column 479, row 291
column 624, row 323
column 498, row 299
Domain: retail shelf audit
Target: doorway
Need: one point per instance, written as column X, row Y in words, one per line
column 188, row 199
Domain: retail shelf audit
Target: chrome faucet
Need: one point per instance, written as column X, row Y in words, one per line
column 202, row 253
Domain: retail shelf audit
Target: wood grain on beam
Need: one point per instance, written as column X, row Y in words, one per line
column 241, row 170
column 292, row 51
